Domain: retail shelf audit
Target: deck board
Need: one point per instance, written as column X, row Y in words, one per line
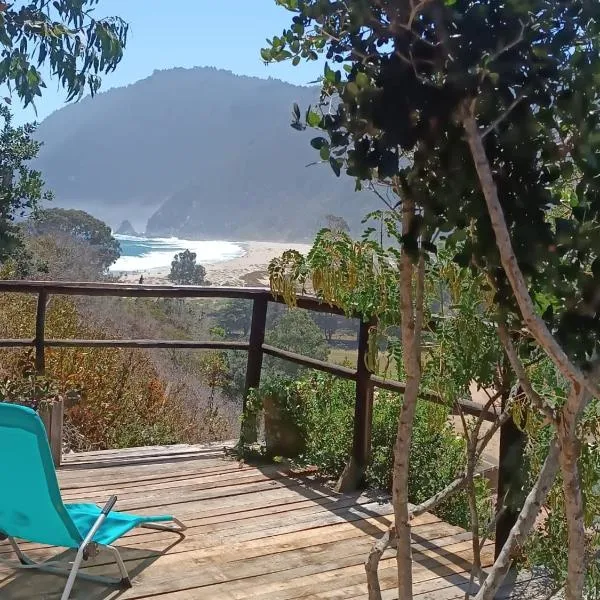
column 260, row 533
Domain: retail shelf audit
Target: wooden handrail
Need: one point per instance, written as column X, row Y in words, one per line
column 126, row 290
column 148, row 344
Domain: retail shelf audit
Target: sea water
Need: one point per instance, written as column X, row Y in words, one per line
column 140, row 254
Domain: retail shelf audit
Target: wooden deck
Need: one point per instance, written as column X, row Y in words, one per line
column 254, row 533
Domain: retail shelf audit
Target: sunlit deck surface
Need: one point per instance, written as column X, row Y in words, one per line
column 260, row 533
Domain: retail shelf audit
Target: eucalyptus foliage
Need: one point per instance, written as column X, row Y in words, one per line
column 66, row 37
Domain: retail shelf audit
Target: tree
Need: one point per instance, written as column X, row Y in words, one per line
column 63, row 36
column 235, row 317
column 297, row 332
column 59, row 256
column 476, row 136
column 21, row 188
column 80, row 227
column 328, row 323
column 185, row 271
column 335, row 223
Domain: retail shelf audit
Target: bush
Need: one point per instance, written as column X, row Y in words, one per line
column 123, row 402
column 323, row 407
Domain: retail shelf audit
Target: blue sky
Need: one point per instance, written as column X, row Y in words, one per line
column 227, row 34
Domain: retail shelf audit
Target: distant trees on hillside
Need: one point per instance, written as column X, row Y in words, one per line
column 185, row 271
column 297, row 331
column 337, row 224
column 80, row 227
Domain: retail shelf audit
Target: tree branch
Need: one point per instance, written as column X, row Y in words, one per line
column 372, row 562
column 503, row 116
column 525, row 521
column 524, row 381
column 508, row 46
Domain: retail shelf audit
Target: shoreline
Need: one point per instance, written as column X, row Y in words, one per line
column 249, row 269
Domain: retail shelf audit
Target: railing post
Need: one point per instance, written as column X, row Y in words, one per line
column 511, row 477
column 353, row 474
column 255, row 360
column 40, row 328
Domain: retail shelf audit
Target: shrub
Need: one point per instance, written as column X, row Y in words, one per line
column 323, row 408
column 123, row 403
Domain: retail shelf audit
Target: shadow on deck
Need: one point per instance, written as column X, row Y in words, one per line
column 257, row 533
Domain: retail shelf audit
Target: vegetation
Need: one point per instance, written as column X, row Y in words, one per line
column 123, row 402
column 185, row 271
column 61, row 36
column 321, row 409
column 21, row 188
column 295, row 330
column 79, row 227
column 454, row 130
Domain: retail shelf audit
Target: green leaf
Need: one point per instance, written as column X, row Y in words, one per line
column 329, row 74
column 265, row 54
column 324, row 153
column 352, row 88
column 296, row 61
column 362, row 80
column 318, row 142
column 313, row 118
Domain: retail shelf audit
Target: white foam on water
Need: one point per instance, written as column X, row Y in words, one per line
column 161, row 252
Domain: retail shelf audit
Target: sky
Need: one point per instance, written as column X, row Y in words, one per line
column 227, row 34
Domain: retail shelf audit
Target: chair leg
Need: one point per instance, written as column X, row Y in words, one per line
column 71, row 571
column 73, row 575
column 160, row 527
column 23, row 558
column 125, row 581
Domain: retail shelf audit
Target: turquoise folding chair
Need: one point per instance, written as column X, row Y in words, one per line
column 31, row 507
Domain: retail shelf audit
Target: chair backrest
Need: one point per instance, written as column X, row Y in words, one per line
column 31, row 507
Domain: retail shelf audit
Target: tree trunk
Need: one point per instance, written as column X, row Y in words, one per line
column 570, row 413
column 389, row 537
column 569, row 453
column 570, row 449
column 523, row 526
column 411, row 315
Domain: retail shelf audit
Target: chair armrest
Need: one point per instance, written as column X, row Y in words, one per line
column 109, row 505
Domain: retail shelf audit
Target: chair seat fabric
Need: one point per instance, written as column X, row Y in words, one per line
column 114, row 526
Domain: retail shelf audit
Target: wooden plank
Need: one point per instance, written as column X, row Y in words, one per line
column 165, row 451
column 312, row 363
column 228, row 525
column 174, row 344
column 127, row 290
column 17, row 343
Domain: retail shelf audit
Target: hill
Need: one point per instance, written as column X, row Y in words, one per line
column 199, row 153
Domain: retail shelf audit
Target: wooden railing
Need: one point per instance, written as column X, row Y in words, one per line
column 255, row 346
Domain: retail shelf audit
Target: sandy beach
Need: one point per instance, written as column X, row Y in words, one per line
column 250, row 269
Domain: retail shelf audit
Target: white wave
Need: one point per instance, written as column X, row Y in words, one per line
column 161, row 252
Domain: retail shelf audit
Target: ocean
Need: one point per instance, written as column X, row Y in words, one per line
column 142, row 254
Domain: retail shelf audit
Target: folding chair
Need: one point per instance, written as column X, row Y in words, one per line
column 31, row 507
